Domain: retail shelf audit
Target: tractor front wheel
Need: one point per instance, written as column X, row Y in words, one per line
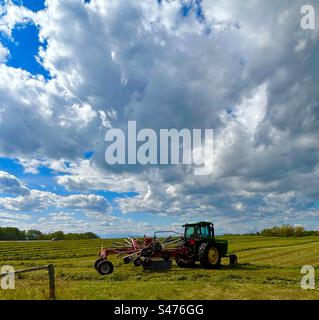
column 209, row 256
column 233, row 260
column 105, row 267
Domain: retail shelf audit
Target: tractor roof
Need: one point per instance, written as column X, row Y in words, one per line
column 205, row 223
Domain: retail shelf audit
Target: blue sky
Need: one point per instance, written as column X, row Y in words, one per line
column 24, row 45
column 24, row 49
column 72, row 69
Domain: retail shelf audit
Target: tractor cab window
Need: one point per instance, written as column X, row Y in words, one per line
column 205, row 231
column 192, row 232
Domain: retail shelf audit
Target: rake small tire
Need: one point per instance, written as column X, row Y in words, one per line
column 96, row 263
column 138, row 262
column 105, row 267
column 127, row 260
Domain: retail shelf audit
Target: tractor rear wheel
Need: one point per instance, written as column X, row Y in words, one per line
column 209, row 256
column 105, row 267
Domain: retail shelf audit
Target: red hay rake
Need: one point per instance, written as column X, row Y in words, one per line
column 151, row 253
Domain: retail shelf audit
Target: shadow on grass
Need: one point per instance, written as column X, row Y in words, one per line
column 240, row 266
column 243, row 266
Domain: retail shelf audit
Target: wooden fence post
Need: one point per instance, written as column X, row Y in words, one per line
column 51, row 282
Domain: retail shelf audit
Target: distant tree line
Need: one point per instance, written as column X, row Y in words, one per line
column 287, row 230
column 14, row 234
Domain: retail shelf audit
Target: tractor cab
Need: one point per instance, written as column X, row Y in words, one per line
column 199, row 230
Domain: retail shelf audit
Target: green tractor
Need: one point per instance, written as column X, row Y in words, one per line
column 200, row 244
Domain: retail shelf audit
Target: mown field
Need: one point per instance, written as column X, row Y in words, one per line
column 269, row 269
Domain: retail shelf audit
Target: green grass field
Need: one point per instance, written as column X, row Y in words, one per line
column 269, row 269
